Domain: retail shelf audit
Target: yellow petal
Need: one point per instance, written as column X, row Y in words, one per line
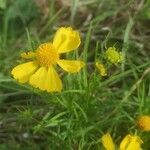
column 125, row 142
column 71, row 66
column 38, row 78
column 28, row 55
column 46, row 80
column 108, row 142
column 53, row 81
column 23, row 72
column 131, row 143
column 66, row 39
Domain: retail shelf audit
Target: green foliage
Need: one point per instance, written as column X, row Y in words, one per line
column 3, row 4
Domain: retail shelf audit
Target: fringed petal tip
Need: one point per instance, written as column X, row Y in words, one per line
column 46, row 80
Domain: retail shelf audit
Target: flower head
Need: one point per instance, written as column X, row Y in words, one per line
column 144, row 123
column 128, row 143
column 40, row 72
column 113, row 55
column 131, row 143
column 101, row 68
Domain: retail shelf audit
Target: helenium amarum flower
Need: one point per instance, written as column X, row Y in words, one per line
column 108, row 142
column 128, row 143
column 143, row 122
column 39, row 71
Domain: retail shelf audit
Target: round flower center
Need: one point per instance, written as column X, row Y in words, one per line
column 113, row 55
column 47, row 55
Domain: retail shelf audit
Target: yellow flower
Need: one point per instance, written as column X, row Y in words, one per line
column 39, row 72
column 131, row 143
column 101, row 68
column 113, row 55
column 128, row 143
column 108, row 142
column 144, row 123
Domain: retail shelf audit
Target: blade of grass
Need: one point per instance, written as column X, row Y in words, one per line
column 74, row 7
column 85, row 55
column 126, row 41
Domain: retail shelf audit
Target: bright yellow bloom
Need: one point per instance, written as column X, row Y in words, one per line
column 40, row 72
column 101, row 68
column 144, row 123
column 131, row 143
column 108, row 142
column 113, row 55
column 128, row 143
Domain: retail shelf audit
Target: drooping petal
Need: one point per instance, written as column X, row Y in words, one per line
column 53, row 81
column 71, row 66
column 37, row 80
column 28, row 55
column 23, row 72
column 46, row 80
column 131, row 143
column 66, row 39
column 108, row 142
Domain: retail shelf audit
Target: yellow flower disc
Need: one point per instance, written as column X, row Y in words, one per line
column 113, row 55
column 47, row 55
